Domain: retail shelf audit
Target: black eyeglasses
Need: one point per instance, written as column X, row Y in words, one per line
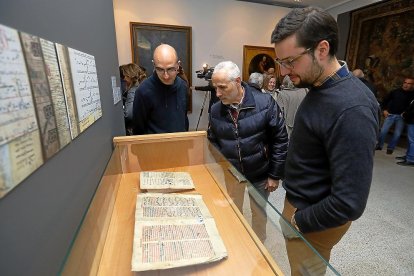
column 169, row 71
column 289, row 62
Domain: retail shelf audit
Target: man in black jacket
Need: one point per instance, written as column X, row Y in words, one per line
column 249, row 130
column 160, row 103
column 408, row 115
column 393, row 106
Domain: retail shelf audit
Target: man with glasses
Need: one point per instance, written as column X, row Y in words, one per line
column 160, row 103
column 329, row 164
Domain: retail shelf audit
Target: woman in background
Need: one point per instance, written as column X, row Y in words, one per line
column 269, row 86
column 133, row 76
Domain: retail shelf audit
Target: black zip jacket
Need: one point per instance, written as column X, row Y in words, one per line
column 257, row 143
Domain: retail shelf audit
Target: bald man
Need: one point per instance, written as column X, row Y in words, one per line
column 160, row 103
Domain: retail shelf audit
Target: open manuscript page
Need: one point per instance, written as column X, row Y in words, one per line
column 173, row 230
column 165, row 182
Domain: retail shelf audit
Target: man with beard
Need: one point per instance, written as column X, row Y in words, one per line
column 329, row 164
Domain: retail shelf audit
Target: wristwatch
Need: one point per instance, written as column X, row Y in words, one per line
column 293, row 221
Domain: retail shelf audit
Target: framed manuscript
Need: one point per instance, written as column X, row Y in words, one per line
column 85, row 87
column 20, row 146
column 56, row 91
column 41, row 94
column 66, row 77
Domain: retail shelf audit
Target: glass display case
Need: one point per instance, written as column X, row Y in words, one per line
column 104, row 241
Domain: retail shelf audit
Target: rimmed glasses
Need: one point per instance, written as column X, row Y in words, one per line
column 162, row 71
column 289, row 63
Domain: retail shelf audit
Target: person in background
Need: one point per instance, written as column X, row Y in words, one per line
column 183, row 76
column 408, row 115
column 360, row 75
column 256, row 80
column 123, row 85
column 247, row 127
column 160, row 103
column 393, row 105
column 269, row 86
column 133, row 76
column 330, row 157
column 289, row 100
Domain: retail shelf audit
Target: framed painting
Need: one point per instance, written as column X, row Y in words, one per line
column 145, row 37
column 258, row 59
column 381, row 43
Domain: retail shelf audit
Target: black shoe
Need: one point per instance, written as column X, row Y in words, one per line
column 406, row 163
column 401, row 157
column 378, row 148
column 390, row 151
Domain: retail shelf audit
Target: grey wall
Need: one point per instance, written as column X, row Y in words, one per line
column 38, row 219
column 344, row 24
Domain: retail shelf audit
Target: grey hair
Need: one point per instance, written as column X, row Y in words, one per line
column 256, row 78
column 229, row 67
column 287, row 83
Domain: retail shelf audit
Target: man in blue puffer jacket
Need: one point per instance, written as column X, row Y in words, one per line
column 248, row 128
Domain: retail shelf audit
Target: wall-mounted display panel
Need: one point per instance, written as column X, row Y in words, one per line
column 20, row 147
column 49, row 93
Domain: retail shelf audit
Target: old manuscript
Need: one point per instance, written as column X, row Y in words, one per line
column 166, row 181
column 20, row 146
column 56, row 91
column 173, row 230
column 62, row 54
column 41, row 94
column 85, row 87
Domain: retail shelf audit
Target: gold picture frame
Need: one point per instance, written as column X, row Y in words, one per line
column 252, row 57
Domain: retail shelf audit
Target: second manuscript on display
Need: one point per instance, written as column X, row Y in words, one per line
column 173, row 230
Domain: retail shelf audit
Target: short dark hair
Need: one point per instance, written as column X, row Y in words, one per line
column 311, row 25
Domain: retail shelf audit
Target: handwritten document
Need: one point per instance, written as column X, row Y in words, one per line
column 41, row 94
column 66, row 77
column 173, row 230
column 165, row 181
column 19, row 159
column 17, row 113
column 20, row 147
column 86, row 89
column 56, row 90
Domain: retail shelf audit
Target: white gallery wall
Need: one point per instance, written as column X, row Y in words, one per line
column 220, row 28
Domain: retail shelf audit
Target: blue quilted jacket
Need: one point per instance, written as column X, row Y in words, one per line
column 257, row 143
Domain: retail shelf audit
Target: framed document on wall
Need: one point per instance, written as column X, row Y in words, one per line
column 145, row 37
